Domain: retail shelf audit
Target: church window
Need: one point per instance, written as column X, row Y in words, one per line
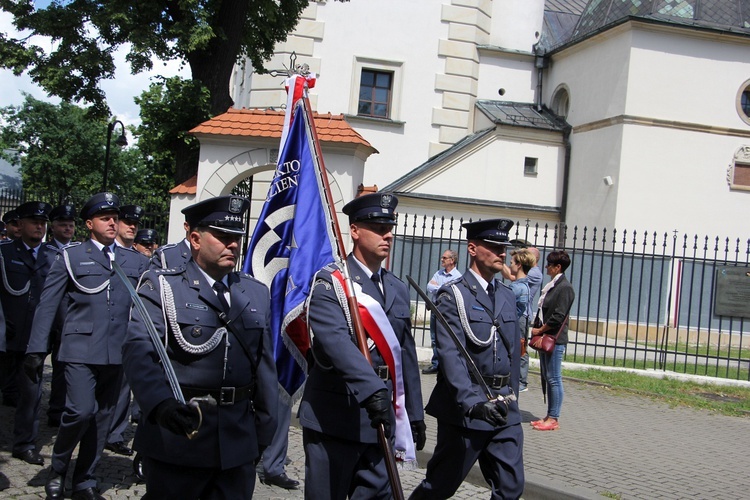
column 375, row 93
column 743, row 102
column 738, row 175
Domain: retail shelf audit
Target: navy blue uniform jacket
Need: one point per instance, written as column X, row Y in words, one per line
column 21, row 270
column 230, row 435
column 95, row 325
column 341, row 379
column 455, row 392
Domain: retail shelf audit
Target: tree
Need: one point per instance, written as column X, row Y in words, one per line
column 61, row 151
column 208, row 35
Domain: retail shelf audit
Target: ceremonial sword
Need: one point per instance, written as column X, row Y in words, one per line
column 461, row 348
column 174, row 384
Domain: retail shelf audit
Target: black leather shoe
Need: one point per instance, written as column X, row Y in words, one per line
column 282, row 481
column 119, row 448
column 430, row 370
column 29, row 456
column 87, row 494
column 54, row 485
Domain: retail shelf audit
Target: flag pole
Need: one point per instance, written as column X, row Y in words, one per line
column 359, row 330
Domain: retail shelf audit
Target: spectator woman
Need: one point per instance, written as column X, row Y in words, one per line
column 552, row 316
column 521, row 261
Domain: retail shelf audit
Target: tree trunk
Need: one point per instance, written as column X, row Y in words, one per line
column 213, row 68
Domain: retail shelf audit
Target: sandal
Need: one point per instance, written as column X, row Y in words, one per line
column 549, row 425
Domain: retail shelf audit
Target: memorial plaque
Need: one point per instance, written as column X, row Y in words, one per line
column 732, row 292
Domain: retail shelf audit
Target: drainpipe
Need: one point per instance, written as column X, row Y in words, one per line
column 566, row 175
column 540, row 62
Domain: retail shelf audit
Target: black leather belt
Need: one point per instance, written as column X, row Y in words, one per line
column 224, row 396
column 495, row 381
column 383, row 372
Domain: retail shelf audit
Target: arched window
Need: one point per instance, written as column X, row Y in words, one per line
column 561, row 102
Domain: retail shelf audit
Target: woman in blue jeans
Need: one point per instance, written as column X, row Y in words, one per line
column 554, row 305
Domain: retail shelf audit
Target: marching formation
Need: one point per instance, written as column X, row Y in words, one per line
column 215, row 358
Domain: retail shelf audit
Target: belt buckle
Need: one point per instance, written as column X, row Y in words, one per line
column 497, row 382
column 382, row 371
column 226, row 396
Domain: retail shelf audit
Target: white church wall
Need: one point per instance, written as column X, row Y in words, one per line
column 514, row 73
column 595, row 155
column 596, row 72
column 496, row 173
column 677, row 180
column 516, row 24
column 687, row 76
column 413, row 56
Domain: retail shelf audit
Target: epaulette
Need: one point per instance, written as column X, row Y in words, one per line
column 168, row 245
column 72, row 244
column 503, row 283
column 250, row 277
column 169, row 271
column 5, row 242
column 454, row 281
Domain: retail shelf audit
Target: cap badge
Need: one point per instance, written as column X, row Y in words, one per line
column 40, row 209
column 235, row 205
column 385, row 200
column 109, row 198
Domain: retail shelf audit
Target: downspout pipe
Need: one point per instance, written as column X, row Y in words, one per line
column 566, row 174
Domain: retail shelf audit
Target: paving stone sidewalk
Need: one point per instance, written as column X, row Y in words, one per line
column 609, row 445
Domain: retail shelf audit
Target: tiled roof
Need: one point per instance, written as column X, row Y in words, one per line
column 187, row 187
column 262, row 123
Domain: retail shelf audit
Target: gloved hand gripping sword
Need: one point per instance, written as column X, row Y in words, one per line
column 461, row 348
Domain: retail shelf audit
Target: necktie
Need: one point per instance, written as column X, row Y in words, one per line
column 107, row 253
column 220, row 290
column 33, row 254
column 376, row 279
column 491, row 293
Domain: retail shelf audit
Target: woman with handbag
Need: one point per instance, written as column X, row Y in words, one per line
column 552, row 319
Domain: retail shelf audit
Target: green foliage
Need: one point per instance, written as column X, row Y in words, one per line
column 61, row 150
column 209, row 35
column 166, row 108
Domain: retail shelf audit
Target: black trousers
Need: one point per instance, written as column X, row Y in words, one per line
column 169, row 481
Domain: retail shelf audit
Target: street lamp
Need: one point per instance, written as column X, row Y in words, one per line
column 120, row 141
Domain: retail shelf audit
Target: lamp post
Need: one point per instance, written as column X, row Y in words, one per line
column 120, row 141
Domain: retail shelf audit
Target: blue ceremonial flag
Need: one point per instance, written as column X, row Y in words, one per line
column 291, row 242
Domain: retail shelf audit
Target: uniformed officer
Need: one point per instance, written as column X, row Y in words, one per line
column 62, row 228
column 127, row 229
column 173, row 255
column 98, row 308
column 482, row 312
column 62, row 225
column 12, row 229
column 216, row 326
column 346, row 397
column 24, row 264
column 146, row 241
column 131, row 217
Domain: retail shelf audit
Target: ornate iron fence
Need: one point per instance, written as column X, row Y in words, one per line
column 643, row 300
column 156, row 216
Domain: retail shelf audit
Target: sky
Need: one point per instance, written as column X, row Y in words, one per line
column 120, row 91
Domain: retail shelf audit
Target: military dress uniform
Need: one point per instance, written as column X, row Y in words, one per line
column 463, row 440
column 98, row 307
column 56, row 405
column 23, row 276
column 342, row 455
column 234, row 365
column 173, row 255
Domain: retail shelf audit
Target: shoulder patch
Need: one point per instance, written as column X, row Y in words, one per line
column 147, row 283
column 321, row 282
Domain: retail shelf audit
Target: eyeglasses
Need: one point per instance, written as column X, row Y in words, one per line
column 446, row 258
